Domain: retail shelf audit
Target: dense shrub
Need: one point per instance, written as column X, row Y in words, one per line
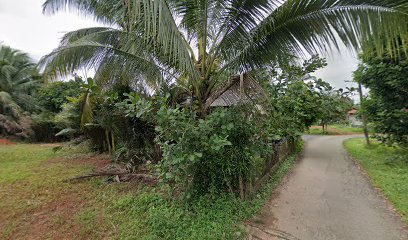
column 219, row 153
column 53, row 96
column 133, row 137
column 44, row 128
column 59, row 116
column 211, row 155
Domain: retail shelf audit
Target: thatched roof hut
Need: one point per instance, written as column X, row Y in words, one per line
column 243, row 89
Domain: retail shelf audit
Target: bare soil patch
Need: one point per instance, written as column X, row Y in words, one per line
column 6, row 142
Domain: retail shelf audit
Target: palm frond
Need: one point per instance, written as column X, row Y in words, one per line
column 161, row 33
column 18, row 77
column 99, row 50
column 8, row 106
column 310, row 26
column 150, row 20
column 76, row 35
column 102, row 11
column 145, row 46
column 86, row 108
column 239, row 18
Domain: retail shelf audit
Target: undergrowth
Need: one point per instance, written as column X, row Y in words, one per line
column 32, row 182
column 149, row 214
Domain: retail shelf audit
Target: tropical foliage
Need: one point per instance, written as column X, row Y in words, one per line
column 293, row 95
column 334, row 106
column 223, row 151
column 386, row 106
column 298, row 99
column 18, row 80
column 54, row 95
column 189, row 51
column 161, row 64
column 199, row 44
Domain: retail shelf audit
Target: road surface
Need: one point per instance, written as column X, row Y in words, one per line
column 327, row 197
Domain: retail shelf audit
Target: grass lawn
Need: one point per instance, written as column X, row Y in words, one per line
column 36, row 202
column 335, row 129
column 390, row 175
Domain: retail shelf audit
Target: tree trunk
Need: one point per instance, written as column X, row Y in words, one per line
column 113, row 141
column 363, row 116
column 107, row 138
column 241, row 187
column 157, row 153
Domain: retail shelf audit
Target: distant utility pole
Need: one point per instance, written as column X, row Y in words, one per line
column 363, row 115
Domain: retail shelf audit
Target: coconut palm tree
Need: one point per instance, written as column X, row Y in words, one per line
column 18, row 77
column 199, row 44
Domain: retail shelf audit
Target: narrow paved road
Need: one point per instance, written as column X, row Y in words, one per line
column 327, row 197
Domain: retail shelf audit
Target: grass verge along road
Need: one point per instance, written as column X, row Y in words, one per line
column 387, row 168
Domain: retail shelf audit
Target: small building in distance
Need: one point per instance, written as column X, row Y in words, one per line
column 352, row 117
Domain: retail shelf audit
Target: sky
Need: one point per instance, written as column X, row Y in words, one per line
column 340, row 67
column 23, row 26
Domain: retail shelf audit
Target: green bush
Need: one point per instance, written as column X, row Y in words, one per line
column 60, row 111
column 133, row 136
column 153, row 214
column 45, row 128
column 54, row 95
column 224, row 152
column 207, row 156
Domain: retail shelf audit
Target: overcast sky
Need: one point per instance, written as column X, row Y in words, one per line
column 23, row 26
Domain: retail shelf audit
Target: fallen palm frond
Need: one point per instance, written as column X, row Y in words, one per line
column 103, row 174
column 120, row 176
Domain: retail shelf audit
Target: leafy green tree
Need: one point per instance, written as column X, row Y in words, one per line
column 67, row 108
column 53, row 96
column 204, row 156
column 293, row 97
column 199, row 44
column 387, row 105
column 79, row 110
column 333, row 108
column 299, row 99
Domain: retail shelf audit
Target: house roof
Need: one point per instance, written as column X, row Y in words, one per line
column 244, row 89
column 352, row 111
